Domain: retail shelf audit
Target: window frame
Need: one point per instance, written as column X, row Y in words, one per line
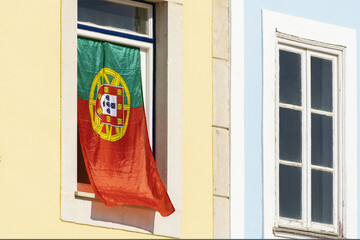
column 146, row 47
column 306, row 51
column 310, row 32
column 147, row 74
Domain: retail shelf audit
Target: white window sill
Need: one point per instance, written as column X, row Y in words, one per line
column 301, row 234
column 86, row 195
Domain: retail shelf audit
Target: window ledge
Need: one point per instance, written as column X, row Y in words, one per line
column 86, row 195
column 297, row 233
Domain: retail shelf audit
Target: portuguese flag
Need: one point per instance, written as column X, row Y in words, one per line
column 112, row 127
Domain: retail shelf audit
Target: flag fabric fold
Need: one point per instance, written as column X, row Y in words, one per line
column 112, row 127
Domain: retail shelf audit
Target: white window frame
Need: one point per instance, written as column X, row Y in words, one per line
column 313, row 34
column 79, row 208
column 306, row 51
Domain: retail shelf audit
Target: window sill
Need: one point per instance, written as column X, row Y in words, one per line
column 297, row 233
column 86, row 195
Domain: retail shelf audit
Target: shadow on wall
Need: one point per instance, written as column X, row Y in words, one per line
column 134, row 216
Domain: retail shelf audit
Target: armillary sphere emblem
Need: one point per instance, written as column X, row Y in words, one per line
column 109, row 105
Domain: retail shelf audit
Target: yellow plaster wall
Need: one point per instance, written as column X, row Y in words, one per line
column 30, row 124
column 197, row 120
column 30, row 116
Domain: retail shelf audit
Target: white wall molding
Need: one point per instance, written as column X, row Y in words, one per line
column 237, row 162
column 326, row 33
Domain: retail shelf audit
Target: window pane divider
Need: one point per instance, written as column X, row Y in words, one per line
column 289, row 163
column 290, row 106
column 321, row 168
column 321, row 112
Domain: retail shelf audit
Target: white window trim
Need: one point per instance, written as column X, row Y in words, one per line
column 79, row 209
column 323, row 33
column 237, row 79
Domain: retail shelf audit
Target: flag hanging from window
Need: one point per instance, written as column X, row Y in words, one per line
column 112, row 127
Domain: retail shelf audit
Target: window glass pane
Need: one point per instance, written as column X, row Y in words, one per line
column 290, row 77
column 321, row 196
column 110, row 14
column 321, row 84
column 82, row 176
column 290, row 135
column 290, row 191
column 321, row 140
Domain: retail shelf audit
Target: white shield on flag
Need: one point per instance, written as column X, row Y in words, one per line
column 110, row 105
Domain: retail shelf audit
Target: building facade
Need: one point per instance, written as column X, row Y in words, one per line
column 38, row 160
column 251, row 108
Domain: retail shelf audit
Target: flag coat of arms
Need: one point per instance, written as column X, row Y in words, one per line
column 112, row 127
column 110, row 105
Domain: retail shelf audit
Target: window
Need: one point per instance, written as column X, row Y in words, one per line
column 307, row 133
column 82, row 208
column 127, row 24
column 308, row 140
